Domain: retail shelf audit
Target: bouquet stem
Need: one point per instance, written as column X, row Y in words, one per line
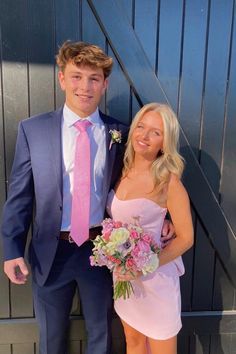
column 122, row 289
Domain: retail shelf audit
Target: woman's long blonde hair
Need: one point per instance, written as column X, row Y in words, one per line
column 168, row 160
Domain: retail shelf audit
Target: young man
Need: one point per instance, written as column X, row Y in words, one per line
column 42, row 173
column 45, row 175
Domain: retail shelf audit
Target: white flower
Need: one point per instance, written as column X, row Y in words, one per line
column 115, row 137
column 151, row 265
column 119, row 236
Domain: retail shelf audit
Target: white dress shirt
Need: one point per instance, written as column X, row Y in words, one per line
column 97, row 137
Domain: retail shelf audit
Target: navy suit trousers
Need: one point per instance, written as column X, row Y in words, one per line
column 71, row 270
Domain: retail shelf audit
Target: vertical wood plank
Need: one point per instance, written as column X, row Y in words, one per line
column 127, row 8
column 186, row 280
column 193, row 66
column 118, row 95
column 169, row 50
column 67, row 21
column 22, row 300
column 224, row 293
column 228, row 184
column 41, row 52
column 4, row 303
column 203, row 272
column 146, row 27
column 41, row 98
column 118, row 346
column 67, row 27
column 221, row 344
column 233, row 343
column 199, row 344
column 15, row 82
column 36, row 349
column 91, row 31
column 118, row 339
column 23, row 348
column 215, row 87
column 2, row 137
column 14, row 71
column 183, row 344
column 74, row 347
column 5, row 349
column 135, row 106
column 83, row 346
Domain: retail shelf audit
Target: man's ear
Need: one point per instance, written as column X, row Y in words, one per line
column 105, row 85
column 61, row 79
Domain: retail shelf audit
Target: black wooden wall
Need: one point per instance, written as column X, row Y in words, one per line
column 177, row 51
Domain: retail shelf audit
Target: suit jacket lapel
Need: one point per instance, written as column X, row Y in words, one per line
column 110, row 152
column 55, row 144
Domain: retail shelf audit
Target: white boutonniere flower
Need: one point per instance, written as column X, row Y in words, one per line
column 115, row 137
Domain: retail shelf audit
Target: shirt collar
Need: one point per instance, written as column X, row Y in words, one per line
column 70, row 117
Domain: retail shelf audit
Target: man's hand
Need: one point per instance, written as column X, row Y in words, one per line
column 167, row 233
column 16, row 270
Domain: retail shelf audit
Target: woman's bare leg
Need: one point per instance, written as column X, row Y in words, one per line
column 167, row 346
column 136, row 342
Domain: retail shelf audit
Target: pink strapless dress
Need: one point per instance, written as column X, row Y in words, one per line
column 155, row 307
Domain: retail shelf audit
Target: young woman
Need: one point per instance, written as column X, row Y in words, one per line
column 150, row 186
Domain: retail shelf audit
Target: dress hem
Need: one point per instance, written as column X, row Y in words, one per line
column 163, row 337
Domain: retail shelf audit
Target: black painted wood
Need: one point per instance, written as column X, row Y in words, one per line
column 67, row 27
column 41, row 51
column 146, row 26
column 15, row 105
column 215, row 87
column 4, row 303
column 228, row 183
column 169, row 49
column 181, row 52
column 192, row 71
column 132, row 57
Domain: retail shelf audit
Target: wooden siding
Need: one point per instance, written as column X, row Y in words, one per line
column 177, row 51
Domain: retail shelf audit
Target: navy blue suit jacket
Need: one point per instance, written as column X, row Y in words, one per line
column 36, row 188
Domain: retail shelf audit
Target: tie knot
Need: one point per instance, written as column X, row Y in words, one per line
column 82, row 125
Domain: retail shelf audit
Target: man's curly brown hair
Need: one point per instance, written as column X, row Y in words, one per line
column 84, row 54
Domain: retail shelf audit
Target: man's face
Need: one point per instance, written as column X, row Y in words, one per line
column 83, row 86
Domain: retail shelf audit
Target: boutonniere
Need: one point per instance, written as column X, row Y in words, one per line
column 115, row 137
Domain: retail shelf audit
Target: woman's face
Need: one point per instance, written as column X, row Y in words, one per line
column 147, row 137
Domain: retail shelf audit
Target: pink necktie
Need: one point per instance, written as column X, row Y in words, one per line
column 80, row 211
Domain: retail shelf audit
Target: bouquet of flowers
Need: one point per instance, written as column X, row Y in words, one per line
column 126, row 246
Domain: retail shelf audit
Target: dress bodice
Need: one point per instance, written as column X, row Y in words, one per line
column 145, row 213
column 141, row 211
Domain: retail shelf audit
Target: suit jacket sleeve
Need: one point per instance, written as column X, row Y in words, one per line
column 17, row 212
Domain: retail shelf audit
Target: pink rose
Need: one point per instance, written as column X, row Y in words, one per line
column 143, row 246
column 136, row 251
column 117, row 224
column 130, row 262
column 106, row 235
column 133, row 234
column 92, row 262
column 147, row 238
column 114, row 260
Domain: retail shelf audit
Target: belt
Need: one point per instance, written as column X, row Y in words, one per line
column 93, row 232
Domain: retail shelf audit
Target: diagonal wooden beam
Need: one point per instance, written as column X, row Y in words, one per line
column 141, row 76
column 128, row 50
